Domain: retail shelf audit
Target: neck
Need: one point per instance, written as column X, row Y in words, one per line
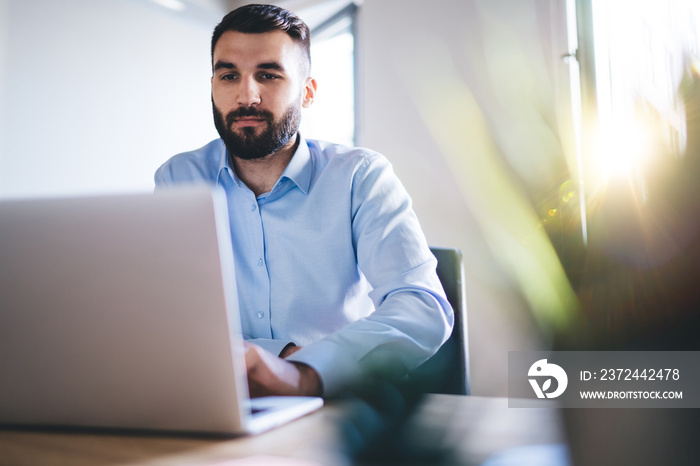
column 260, row 175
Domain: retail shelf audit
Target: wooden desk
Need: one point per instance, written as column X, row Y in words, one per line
column 474, row 427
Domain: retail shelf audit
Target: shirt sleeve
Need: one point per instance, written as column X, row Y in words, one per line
column 412, row 317
column 163, row 177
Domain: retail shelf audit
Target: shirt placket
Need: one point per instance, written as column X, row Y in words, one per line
column 262, row 321
column 247, row 233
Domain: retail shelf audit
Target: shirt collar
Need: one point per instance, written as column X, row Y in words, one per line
column 225, row 165
column 298, row 169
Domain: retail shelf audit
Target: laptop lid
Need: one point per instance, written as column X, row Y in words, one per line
column 121, row 311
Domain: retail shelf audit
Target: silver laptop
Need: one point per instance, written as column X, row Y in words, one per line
column 121, row 311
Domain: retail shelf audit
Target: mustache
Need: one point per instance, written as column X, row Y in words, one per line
column 248, row 112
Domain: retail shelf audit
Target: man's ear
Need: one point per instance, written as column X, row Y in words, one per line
column 309, row 92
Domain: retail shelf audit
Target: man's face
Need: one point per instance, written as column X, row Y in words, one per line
column 258, row 89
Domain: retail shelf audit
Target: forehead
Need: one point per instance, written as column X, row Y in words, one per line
column 244, row 49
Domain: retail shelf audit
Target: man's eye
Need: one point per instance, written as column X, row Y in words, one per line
column 268, row 76
column 228, row 77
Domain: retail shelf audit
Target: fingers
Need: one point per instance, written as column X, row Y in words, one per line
column 269, row 375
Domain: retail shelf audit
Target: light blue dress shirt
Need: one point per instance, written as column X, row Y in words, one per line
column 332, row 259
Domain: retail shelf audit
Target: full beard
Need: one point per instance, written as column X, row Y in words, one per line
column 244, row 143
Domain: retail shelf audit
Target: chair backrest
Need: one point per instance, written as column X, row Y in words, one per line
column 448, row 370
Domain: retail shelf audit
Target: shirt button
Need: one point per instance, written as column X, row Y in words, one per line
column 261, row 315
column 260, row 262
column 253, row 207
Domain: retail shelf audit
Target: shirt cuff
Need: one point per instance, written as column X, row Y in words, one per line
column 336, row 368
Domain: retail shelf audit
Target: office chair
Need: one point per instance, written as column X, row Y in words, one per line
column 379, row 429
column 448, row 370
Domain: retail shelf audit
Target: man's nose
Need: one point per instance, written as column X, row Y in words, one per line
column 248, row 92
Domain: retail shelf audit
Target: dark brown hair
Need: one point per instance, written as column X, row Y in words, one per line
column 256, row 19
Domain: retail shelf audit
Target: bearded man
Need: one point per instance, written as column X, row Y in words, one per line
column 334, row 274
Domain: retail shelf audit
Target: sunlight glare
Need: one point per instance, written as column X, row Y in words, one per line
column 622, row 149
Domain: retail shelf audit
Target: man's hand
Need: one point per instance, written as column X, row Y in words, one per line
column 269, row 375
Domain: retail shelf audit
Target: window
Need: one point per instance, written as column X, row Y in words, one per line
column 332, row 115
column 642, row 50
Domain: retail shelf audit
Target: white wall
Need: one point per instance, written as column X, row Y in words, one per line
column 96, row 94
column 467, row 98
column 4, row 51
